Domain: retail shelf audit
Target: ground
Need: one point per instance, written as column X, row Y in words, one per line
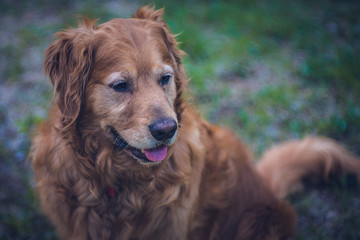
column 269, row 70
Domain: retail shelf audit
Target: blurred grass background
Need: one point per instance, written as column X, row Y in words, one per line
column 270, row 70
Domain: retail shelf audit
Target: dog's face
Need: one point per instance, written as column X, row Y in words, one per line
column 125, row 74
column 133, row 88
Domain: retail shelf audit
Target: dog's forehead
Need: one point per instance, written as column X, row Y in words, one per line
column 132, row 45
column 133, row 35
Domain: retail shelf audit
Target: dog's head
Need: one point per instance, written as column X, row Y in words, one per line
column 126, row 77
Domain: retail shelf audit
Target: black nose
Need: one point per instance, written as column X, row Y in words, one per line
column 163, row 128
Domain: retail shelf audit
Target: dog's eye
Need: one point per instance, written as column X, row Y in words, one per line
column 121, row 86
column 165, row 79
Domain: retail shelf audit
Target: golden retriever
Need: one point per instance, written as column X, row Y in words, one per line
column 122, row 155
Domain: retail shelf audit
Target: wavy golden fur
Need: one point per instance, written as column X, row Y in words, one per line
column 97, row 158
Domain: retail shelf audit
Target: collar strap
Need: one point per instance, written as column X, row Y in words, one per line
column 111, row 192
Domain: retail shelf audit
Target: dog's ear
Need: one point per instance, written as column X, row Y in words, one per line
column 68, row 63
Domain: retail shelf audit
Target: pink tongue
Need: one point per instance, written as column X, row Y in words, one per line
column 156, row 154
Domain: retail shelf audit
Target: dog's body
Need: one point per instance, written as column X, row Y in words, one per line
column 123, row 156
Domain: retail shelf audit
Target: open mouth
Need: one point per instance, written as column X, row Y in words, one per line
column 146, row 155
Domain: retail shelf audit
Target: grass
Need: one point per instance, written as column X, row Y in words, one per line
column 317, row 43
column 21, row 219
column 12, row 56
column 270, row 70
column 331, row 220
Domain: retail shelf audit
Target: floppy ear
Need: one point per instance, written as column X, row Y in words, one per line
column 68, row 63
column 149, row 13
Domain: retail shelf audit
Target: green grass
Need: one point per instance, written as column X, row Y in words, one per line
column 324, row 211
column 321, row 39
column 14, row 67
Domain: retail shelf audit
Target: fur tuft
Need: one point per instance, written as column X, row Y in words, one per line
column 149, row 12
column 284, row 167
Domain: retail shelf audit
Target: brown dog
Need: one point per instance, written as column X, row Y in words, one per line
column 123, row 156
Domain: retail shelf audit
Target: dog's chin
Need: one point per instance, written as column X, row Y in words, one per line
column 153, row 156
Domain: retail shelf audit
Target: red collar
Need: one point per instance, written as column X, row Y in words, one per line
column 111, row 192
